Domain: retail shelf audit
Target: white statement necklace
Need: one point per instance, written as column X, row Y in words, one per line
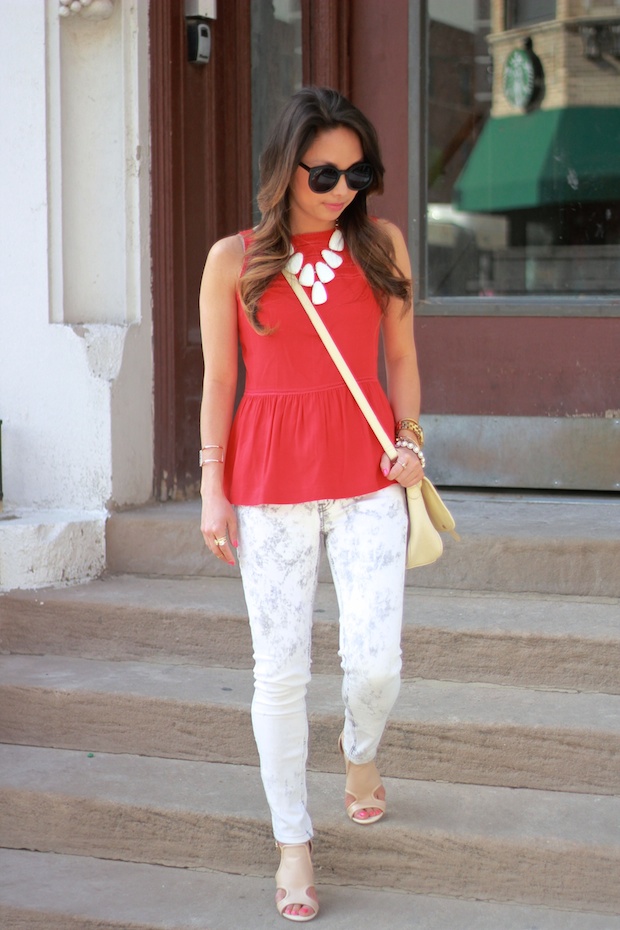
column 318, row 275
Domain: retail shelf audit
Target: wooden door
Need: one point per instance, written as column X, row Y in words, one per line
column 201, row 179
column 205, row 131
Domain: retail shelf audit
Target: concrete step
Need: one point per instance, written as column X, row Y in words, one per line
column 55, row 892
column 445, row 731
column 546, row 641
column 568, row 544
column 513, row 845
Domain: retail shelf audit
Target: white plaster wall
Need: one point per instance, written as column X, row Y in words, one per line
column 90, row 96
column 75, row 400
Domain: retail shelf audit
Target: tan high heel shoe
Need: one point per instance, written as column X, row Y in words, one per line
column 296, row 877
column 363, row 782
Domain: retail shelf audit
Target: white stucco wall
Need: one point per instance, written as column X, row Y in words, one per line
column 75, row 309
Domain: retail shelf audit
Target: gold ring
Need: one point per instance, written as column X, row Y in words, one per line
column 402, row 465
column 221, row 541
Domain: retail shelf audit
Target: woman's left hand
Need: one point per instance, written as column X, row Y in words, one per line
column 407, row 469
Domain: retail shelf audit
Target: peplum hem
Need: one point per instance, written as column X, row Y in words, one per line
column 288, row 448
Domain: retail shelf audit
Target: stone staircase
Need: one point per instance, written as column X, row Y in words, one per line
column 129, row 788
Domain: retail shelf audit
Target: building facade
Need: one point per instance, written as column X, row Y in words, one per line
column 131, row 131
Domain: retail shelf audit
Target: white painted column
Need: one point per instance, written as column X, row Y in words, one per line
column 75, row 307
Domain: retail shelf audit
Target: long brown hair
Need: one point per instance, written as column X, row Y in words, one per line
column 310, row 111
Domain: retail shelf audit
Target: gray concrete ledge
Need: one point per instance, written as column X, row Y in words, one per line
column 509, row 543
column 538, row 848
column 460, row 733
column 55, row 892
column 546, row 641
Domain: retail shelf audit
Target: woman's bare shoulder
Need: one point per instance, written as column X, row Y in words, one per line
column 401, row 252
column 391, row 229
column 227, row 254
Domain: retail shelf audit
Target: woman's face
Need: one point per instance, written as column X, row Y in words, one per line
column 310, row 212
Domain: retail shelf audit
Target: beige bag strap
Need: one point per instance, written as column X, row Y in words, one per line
column 440, row 516
column 341, row 365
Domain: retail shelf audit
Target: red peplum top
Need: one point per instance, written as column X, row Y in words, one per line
column 298, row 434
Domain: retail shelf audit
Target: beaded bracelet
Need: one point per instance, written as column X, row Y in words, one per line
column 413, row 447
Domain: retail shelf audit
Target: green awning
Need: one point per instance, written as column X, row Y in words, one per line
column 546, row 157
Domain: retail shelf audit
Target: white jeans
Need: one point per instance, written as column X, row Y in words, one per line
column 279, row 548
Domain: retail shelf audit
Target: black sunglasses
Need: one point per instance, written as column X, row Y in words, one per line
column 324, row 178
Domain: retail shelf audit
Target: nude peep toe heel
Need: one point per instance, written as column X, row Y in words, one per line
column 296, row 877
column 363, row 782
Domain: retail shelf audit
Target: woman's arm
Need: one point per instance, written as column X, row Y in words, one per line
column 218, row 324
column 403, row 378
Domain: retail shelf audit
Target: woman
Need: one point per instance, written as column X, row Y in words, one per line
column 300, row 464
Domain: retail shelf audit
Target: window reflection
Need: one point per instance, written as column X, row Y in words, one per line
column 524, row 12
column 524, row 135
column 276, row 67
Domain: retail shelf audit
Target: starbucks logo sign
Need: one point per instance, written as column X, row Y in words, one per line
column 522, row 78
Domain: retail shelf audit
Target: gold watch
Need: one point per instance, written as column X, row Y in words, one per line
column 414, row 427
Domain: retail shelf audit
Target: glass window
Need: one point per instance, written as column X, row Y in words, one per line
column 523, row 193
column 276, row 67
column 524, row 12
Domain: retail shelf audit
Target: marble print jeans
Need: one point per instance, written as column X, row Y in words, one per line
column 279, row 548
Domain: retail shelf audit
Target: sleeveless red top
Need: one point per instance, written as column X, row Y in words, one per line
column 298, row 434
